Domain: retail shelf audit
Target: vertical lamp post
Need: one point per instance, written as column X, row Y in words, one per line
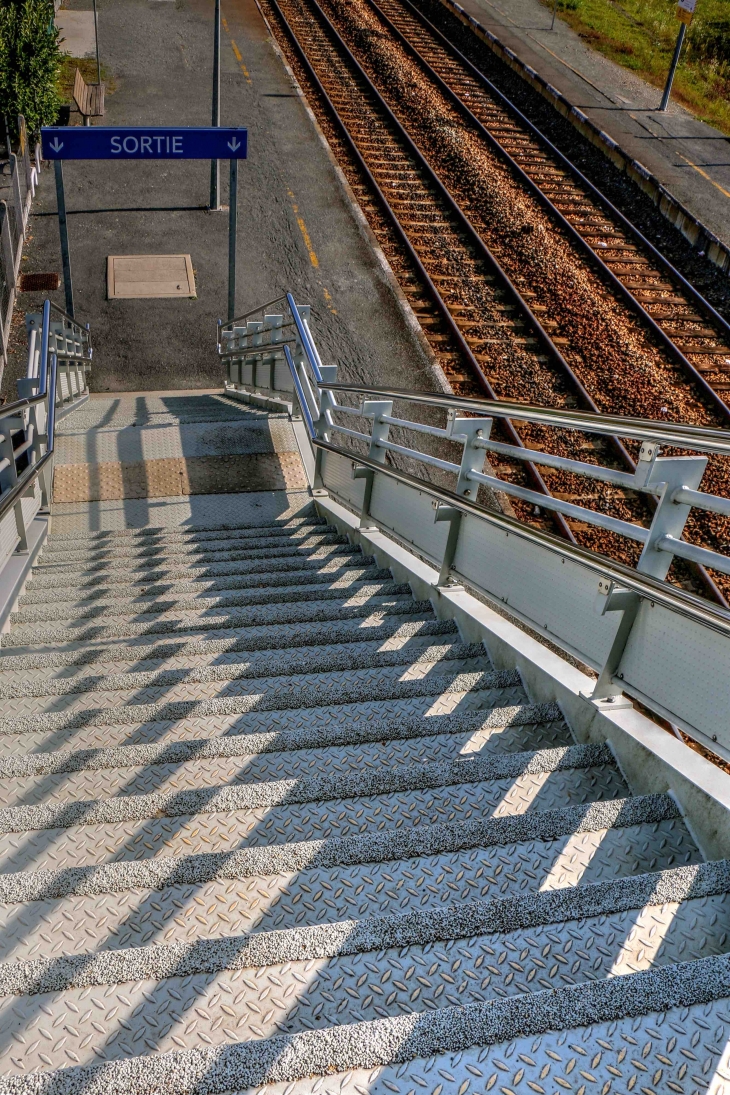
column 685, row 11
column 96, row 42
column 216, row 112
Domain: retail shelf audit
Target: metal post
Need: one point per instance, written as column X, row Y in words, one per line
column 555, row 8
column 216, row 112
column 673, row 69
column 96, row 40
column 232, row 227
column 63, row 232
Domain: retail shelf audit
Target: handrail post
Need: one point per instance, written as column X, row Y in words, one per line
column 375, row 409
column 322, row 424
column 668, row 474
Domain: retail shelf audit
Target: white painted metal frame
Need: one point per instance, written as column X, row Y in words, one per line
column 14, row 218
column 644, row 636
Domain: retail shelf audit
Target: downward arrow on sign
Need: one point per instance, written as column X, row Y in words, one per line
column 234, row 144
column 56, row 145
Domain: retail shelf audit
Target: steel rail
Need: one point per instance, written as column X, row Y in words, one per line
column 407, row 245
column 718, row 403
column 254, row 311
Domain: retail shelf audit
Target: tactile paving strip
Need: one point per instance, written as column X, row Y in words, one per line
column 166, row 478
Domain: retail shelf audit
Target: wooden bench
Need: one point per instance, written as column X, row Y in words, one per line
column 89, row 98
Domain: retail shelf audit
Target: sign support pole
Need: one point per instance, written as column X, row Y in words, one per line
column 96, row 41
column 232, row 233
column 673, row 69
column 216, row 112
column 63, row 232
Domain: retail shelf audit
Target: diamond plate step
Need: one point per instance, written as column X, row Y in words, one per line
column 199, row 906
column 664, row 1027
column 311, row 987
column 72, row 614
column 246, row 768
column 231, row 697
column 359, row 567
column 232, row 829
column 251, row 794
column 148, row 533
column 361, row 654
column 78, row 585
column 385, row 715
column 169, row 623
column 243, row 767
column 146, row 653
column 159, row 534
column 223, row 682
column 131, row 554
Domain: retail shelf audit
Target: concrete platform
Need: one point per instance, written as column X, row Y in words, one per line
column 296, row 230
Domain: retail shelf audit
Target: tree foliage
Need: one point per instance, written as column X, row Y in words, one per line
column 30, row 62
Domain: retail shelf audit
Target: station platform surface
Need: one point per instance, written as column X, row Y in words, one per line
column 691, row 159
column 296, row 230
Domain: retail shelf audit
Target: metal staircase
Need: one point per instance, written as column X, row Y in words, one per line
column 271, row 822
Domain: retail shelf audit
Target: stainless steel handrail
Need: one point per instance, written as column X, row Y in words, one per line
column 652, row 589
column 253, row 312
column 700, row 438
column 47, row 381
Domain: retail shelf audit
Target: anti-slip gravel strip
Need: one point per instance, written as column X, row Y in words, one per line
column 279, row 741
column 359, row 568
column 254, row 796
column 243, row 640
column 207, row 602
column 338, row 1049
column 457, row 921
column 373, row 847
column 277, row 694
column 327, row 660
column 123, row 628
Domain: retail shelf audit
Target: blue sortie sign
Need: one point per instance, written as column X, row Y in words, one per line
column 143, row 143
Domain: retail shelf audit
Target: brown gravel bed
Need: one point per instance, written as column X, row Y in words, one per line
column 609, row 350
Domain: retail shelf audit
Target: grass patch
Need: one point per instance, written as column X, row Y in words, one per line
column 640, row 35
column 87, row 65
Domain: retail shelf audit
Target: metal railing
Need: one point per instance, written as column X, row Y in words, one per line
column 59, row 358
column 14, row 216
column 354, row 450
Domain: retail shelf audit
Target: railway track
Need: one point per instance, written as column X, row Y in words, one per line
column 385, row 85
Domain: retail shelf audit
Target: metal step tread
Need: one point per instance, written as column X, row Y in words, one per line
column 75, row 585
column 253, row 816
column 167, row 772
column 144, row 554
column 241, row 696
column 359, row 566
column 223, row 619
column 319, row 977
column 360, row 654
column 146, row 652
column 374, row 584
column 221, row 682
column 321, row 790
column 377, row 716
column 165, row 533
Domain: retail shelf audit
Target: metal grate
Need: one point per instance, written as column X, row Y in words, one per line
column 39, row 283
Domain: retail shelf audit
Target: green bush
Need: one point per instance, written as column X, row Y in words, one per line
column 30, row 62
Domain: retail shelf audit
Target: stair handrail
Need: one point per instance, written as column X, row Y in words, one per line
column 365, row 443
column 35, row 412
